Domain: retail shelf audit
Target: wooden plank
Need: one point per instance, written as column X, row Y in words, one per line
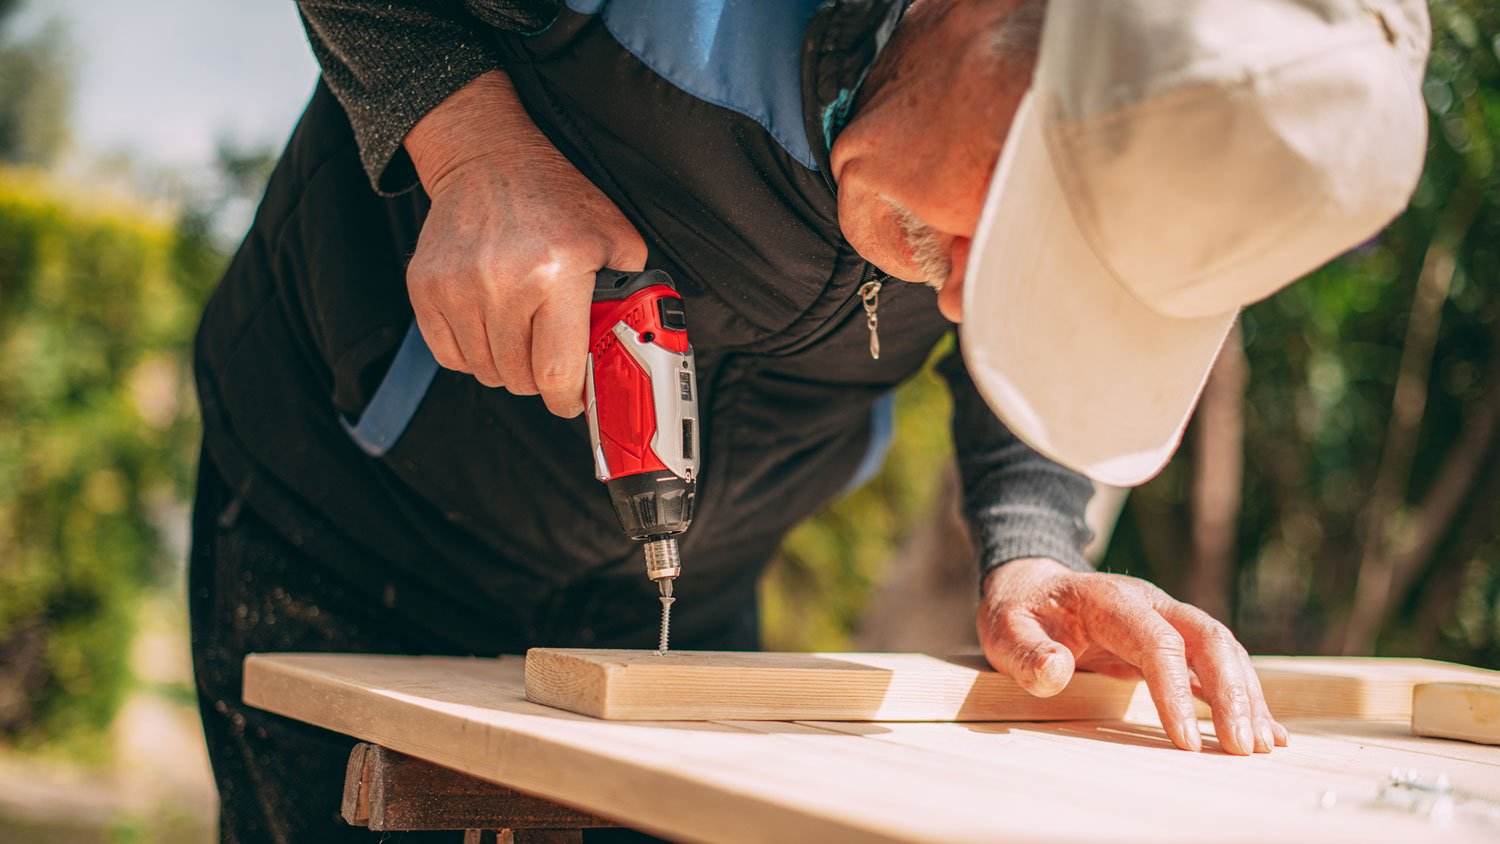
column 706, row 686
column 856, row 782
column 389, row 791
column 1464, row 711
column 1377, row 688
column 625, row 685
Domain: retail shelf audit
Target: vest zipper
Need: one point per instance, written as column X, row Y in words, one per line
column 869, row 295
column 822, row 170
column 870, row 277
column 868, row 292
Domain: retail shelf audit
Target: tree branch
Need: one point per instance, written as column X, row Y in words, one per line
column 1373, row 587
column 1218, row 471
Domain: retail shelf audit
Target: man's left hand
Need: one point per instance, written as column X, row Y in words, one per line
column 1039, row 620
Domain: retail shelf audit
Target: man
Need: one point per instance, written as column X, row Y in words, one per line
column 788, row 164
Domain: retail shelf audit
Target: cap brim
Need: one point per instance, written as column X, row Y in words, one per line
column 1069, row 360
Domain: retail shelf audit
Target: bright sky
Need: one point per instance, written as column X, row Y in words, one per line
column 165, row 79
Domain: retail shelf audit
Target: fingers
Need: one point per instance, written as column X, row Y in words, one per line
column 1231, row 687
column 1128, row 625
column 559, row 348
column 1123, row 626
column 508, row 335
column 528, row 335
column 1217, row 659
column 439, row 338
column 474, row 346
column 1017, row 645
column 1267, row 729
column 627, row 250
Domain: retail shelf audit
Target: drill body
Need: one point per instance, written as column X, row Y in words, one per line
column 641, row 396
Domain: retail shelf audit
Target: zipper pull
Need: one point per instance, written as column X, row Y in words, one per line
column 869, row 294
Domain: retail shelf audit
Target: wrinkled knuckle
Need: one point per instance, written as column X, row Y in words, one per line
column 1170, row 642
column 551, row 265
column 1238, row 695
column 1216, row 635
column 553, row 377
column 1115, row 592
column 1023, row 656
column 422, row 276
column 635, row 247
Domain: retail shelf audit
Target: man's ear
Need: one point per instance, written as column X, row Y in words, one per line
column 951, row 298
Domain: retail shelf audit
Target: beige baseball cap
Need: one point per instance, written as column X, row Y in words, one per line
column 1175, row 161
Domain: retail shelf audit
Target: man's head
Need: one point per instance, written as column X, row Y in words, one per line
column 914, row 163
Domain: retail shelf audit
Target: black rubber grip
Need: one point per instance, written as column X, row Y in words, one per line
column 612, row 285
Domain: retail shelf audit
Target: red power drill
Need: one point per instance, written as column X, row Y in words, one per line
column 642, row 395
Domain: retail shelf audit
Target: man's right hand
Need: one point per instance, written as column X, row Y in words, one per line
column 503, row 274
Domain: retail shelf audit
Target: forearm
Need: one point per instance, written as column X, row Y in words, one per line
column 1019, row 504
column 390, row 62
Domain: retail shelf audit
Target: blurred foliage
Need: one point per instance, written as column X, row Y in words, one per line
column 97, row 307
column 36, row 83
column 822, row 579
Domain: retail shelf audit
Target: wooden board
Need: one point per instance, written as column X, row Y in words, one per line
column 760, row 781
column 1463, row 711
column 1354, row 687
column 621, row 685
column 706, row 686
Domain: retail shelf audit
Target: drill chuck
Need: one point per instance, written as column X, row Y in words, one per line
column 661, row 559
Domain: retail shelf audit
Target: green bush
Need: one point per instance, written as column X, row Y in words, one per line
column 829, row 566
column 97, row 430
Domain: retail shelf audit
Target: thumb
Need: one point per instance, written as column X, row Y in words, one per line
column 1016, row 644
column 626, row 249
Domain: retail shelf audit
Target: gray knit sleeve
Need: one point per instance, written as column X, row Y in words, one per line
column 1018, row 503
column 390, row 62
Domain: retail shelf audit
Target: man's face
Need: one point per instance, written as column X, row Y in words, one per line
column 914, row 163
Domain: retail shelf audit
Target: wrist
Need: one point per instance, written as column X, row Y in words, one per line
column 1017, row 575
column 484, row 121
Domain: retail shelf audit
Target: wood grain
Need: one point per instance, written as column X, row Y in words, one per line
column 707, row 686
column 621, row 685
column 1465, row 711
column 757, row 781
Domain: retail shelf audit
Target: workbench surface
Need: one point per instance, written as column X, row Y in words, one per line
column 782, row 781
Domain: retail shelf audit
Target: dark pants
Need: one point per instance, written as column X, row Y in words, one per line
column 249, row 590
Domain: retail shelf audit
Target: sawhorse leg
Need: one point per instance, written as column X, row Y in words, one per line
column 388, row 791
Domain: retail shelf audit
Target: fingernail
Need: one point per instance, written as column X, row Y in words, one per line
column 1242, row 736
column 1284, row 738
column 1264, row 739
column 1188, row 736
column 1044, row 670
